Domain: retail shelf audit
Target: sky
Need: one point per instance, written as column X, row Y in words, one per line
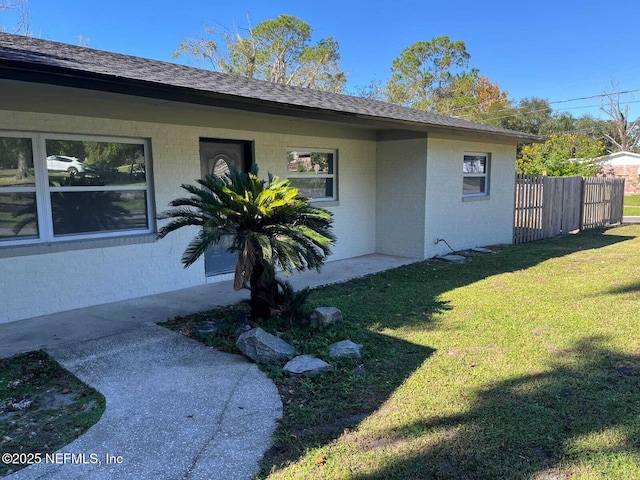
column 559, row 50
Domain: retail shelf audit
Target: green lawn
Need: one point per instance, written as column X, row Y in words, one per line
column 521, row 364
column 632, row 205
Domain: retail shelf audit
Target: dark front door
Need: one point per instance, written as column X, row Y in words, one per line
column 218, row 157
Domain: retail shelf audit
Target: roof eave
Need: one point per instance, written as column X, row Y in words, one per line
column 47, row 74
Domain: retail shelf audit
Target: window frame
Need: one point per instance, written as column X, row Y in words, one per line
column 43, row 190
column 333, row 176
column 486, row 174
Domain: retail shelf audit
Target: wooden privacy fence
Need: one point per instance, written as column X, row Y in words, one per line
column 550, row 206
column 603, row 201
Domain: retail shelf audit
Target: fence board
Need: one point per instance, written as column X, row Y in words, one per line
column 572, row 206
column 552, row 207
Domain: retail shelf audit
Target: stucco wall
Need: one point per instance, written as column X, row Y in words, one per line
column 469, row 222
column 37, row 284
column 400, row 205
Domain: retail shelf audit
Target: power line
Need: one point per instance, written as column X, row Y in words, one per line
column 513, row 111
column 555, row 102
column 626, row 92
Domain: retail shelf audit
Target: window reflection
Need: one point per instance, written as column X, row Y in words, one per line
column 92, row 212
column 85, row 163
column 312, row 173
column 16, row 162
column 18, row 217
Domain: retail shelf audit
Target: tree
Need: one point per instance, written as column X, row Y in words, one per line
column 16, row 154
column 424, row 71
column 561, row 155
column 625, row 134
column 20, row 11
column 277, row 50
column 374, row 90
column 271, row 226
column 530, row 116
column 472, row 97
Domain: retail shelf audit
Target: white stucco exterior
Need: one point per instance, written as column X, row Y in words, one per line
column 467, row 222
column 397, row 192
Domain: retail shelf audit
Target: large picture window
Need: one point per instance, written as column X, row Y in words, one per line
column 313, row 172
column 57, row 187
column 475, row 175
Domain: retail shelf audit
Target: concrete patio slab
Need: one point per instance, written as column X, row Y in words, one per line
column 73, row 326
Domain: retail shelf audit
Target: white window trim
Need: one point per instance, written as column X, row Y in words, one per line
column 486, row 175
column 333, row 176
column 43, row 190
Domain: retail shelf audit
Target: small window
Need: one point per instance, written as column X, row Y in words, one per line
column 475, row 175
column 313, row 173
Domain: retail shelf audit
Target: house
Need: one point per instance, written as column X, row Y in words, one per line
column 135, row 129
column 625, row 165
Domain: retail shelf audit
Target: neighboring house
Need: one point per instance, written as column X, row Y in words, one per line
column 623, row 164
column 396, row 179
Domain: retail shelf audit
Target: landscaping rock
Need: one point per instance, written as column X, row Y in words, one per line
column 307, row 364
column 345, row 348
column 263, row 347
column 454, row 258
column 481, row 250
column 326, row 315
column 207, row 328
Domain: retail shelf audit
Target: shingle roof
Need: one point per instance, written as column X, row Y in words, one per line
column 47, row 56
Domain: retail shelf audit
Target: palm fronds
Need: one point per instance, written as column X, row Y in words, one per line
column 272, row 226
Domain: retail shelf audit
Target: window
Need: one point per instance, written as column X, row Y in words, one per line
column 53, row 188
column 312, row 171
column 475, row 175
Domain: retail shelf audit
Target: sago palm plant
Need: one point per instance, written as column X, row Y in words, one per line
column 271, row 225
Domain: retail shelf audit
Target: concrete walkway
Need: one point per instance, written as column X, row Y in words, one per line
column 175, row 408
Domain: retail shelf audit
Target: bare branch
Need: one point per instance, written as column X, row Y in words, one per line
column 23, row 16
column 625, row 135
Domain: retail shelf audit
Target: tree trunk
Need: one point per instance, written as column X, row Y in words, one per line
column 263, row 292
column 23, row 168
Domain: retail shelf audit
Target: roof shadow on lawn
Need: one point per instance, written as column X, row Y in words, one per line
column 376, row 309
column 409, row 297
column 534, row 426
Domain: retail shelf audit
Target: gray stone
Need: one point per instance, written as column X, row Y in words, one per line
column 263, row 347
column 207, row 328
column 359, row 370
column 345, row 348
column 454, row 258
column 481, row 250
column 307, row 364
column 326, row 315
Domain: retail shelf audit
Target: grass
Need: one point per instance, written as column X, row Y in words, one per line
column 522, row 364
column 42, row 406
column 632, row 205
